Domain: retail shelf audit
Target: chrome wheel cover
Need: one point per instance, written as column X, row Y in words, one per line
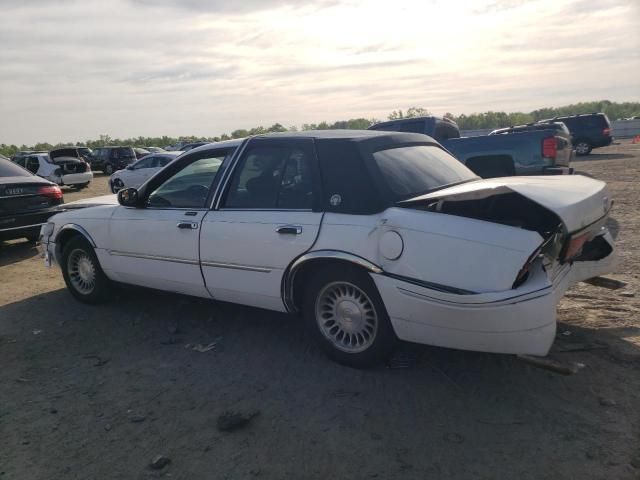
column 582, row 148
column 82, row 271
column 346, row 317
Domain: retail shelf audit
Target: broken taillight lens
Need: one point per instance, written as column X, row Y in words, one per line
column 575, row 246
column 523, row 274
column 549, row 147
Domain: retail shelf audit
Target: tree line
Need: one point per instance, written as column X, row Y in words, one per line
column 490, row 119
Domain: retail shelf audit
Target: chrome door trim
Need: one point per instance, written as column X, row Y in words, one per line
column 22, row 227
column 235, row 266
column 185, row 261
column 226, row 175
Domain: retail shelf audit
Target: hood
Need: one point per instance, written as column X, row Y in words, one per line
column 577, row 200
column 93, row 202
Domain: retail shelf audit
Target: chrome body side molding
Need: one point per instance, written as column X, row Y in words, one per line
column 288, row 278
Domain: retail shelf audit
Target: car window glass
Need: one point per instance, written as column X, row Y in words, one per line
column 33, row 164
column 144, row 163
column 272, row 177
column 8, row 169
column 414, row 127
column 189, row 187
column 411, row 171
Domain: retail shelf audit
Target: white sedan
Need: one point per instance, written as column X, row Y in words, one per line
column 67, row 171
column 139, row 172
column 373, row 236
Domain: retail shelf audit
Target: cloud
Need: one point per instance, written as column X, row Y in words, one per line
column 76, row 69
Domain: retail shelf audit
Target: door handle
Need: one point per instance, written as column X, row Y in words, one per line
column 187, row 225
column 289, row 229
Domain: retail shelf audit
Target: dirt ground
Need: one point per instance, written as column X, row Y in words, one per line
column 98, row 392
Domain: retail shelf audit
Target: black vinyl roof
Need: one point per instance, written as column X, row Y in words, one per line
column 369, row 137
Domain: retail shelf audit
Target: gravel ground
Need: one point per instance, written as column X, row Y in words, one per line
column 99, row 392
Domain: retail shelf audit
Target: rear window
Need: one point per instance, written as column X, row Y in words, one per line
column 8, row 169
column 416, row 170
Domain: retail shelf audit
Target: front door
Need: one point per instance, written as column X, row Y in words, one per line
column 266, row 217
column 157, row 246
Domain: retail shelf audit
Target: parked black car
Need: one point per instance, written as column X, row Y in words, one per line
column 110, row 159
column 588, row 131
column 26, row 202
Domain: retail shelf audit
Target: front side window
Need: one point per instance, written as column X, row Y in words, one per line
column 190, row 186
column 272, row 177
column 416, row 170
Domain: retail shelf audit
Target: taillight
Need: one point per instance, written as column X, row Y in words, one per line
column 575, row 246
column 606, row 132
column 549, row 147
column 523, row 274
column 51, row 191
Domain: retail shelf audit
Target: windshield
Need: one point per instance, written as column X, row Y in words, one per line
column 416, row 170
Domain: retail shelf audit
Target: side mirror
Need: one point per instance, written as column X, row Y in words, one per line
column 128, row 197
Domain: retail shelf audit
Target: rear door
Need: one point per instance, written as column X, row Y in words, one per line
column 267, row 216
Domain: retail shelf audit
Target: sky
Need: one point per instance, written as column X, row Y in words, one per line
column 71, row 70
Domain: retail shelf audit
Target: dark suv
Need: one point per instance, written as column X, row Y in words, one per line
column 588, row 131
column 110, row 159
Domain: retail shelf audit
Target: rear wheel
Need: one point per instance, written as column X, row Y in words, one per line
column 346, row 316
column 583, row 147
column 80, row 186
column 82, row 272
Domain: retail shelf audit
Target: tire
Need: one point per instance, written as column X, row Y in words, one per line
column 82, row 272
column 108, row 169
column 583, row 147
column 116, row 185
column 80, row 186
column 364, row 337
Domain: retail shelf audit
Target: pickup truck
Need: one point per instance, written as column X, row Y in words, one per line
column 537, row 152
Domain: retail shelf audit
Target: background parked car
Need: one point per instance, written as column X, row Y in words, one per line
column 26, row 202
column 191, row 146
column 155, row 149
column 82, row 153
column 141, row 152
column 24, row 153
column 110, row 159
column 588, row 131
column 61, row 170
column 138, row 173
column 538, row 152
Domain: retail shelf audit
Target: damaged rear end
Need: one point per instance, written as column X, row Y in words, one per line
column 484, row 263
column 568, row 213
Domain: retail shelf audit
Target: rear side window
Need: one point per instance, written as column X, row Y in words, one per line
column 124, row 153
column 415, row 170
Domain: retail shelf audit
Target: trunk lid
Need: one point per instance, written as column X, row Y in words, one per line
column 577, row 200
column 21, row 196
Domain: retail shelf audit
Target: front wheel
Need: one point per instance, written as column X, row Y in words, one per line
column 347, row 317
column 82, row 272
column 116, row 185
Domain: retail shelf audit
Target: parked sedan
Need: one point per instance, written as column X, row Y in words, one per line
column 138, row 173
column 61, row 170
column 371, row 235
column 26, row 202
